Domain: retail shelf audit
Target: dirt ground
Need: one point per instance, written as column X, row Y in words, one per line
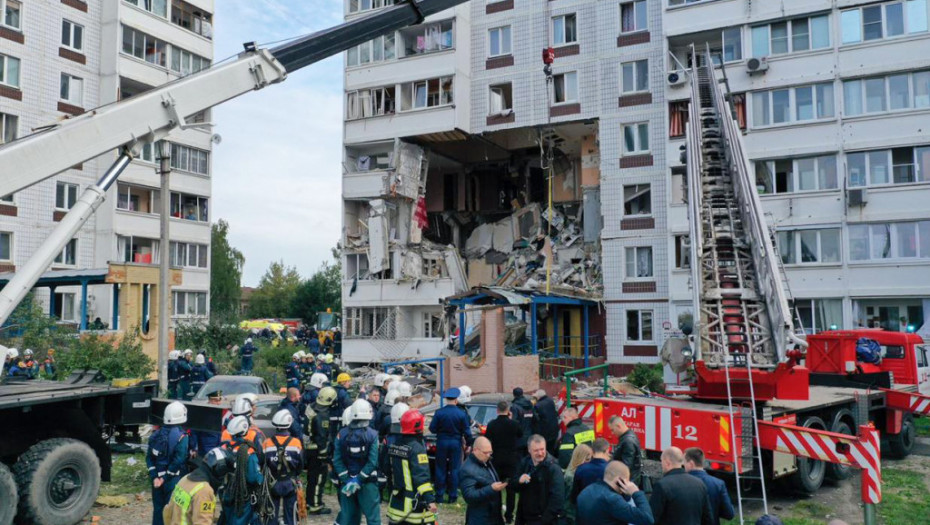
column 831, row 502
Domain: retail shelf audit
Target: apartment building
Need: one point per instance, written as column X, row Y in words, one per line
column 60, row 58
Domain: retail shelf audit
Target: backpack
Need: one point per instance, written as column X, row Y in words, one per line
column 162, row 442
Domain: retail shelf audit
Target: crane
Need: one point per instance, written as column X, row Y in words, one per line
column 127, row 125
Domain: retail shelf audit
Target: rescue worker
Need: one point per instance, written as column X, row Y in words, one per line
column 412, row 499
column 356, row 464
column 319, row 449
column 314, row 385
column 29, row 365
column 576, row 433
column 166, row 456
column 49, row 365
column 284, row 461
column 337, row 341
column 307, row 366
column 193, row 501
column 173, row 374
column 245, row 355
column 202, row 442
column 324, row 365
column 374, row 399
column 291, row 403
column 313, row 343
column 243, row 406
column 9, row 361
column 451, row 427
column 248, row 478
column 391, row 437
column 292, row 371
column 335, row 370
column 383, row 415
column 464, row 399
column 199, row 375
column 522, row 410
column 343, row 382
column 382, row 381
column 184, row 374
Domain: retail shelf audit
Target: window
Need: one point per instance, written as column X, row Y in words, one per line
column 501, row 98
column 72, row 35
column 633, row 16
column 65, row 195
column 356, row 6
column 566, row 87
column 634, row 76
column 820, row 246
column 900, row 240
column 72, row 90
column 499, row 42
column 138, row 199
column 426, row 93
column 377, row 50
column 370, row 103
column 564, row 30
column 356, row 267
column 9, row 127
column 894, row 166
column 190, row 159
column 732, row 44
column 636, row 138
column 639, row 325
column 780, row 106
column 144, row 47
column 190, row 303
column 367, row 322
column 427, row 38
column 638, row 262
column 156, row 7
column 189, row 207
column 888, row 20
column 791, row 36
column 132, row 249
column 9, row 71
column 68, row 255
column 12, row 13
column 432, row 324
column 637, row 200
column 191, row 18
column 6, row 246
column 679, row 189
column 682, row 252
column 64, row 306
column 185, row 63
column 817, row 315
column 889, row 93
column 150, row 152
column 791, row 175
column 189, row 255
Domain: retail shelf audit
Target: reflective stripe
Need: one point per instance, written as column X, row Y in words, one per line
column 584, row 437
column 424, row 488
column 182, row 499
column 567, row 446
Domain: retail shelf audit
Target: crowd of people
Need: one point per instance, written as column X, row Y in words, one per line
column 27, row 366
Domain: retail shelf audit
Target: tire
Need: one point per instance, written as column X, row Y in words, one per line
column 58, row 482
column 835, row 471
column 810, row 474
column 902, row 443
column 8, row 496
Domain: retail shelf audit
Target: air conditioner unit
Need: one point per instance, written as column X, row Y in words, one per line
column 856, row 197
column 757, row 65
column 675, row 79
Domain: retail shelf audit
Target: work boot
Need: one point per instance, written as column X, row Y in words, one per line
column 320, row 511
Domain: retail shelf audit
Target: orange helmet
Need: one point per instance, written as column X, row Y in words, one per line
column 412, row 422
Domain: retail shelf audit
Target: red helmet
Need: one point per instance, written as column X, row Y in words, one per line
column 412, row 422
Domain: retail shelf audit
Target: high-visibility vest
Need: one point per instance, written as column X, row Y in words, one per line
column 182, row 499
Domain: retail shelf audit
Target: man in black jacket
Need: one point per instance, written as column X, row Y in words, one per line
column 546, row 420
column 679, row 499
column 576, row 433
column 627, row 451
column 506, row 437
column 541, row 486
column 521, row 409
column 481, row 486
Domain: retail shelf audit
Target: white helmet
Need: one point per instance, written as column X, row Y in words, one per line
column 318, row 380
column 295, row 356
column 238, row 426
column 12, row 353
column 398, row 411
column 361, row 410
column 404, row 389
column 199, row 360
column 248, row 340
column 173, row 355
column 328, row 358
column 188, row 352
column 390, row 398
column 346, row 416
column 282, row 419
column 251, row 397
column 242, row 407
column 175, row 414
column 380, row 379
column 464, row 394
column 28, row 353
column 393, row 386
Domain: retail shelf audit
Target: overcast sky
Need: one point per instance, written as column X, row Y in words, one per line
column 276, row 175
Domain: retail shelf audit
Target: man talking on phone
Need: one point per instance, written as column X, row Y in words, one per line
column 614, row 500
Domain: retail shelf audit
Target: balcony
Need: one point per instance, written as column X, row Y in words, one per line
column 398, row 293
column 376, row 350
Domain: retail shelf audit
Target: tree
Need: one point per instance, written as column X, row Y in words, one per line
column 275, row 292
column 321, row 291
column 225, row 274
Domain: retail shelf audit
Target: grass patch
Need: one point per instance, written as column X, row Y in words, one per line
column 923, row 426
column 126, row 478
column 802, row 521
column 813, row 509
column 904, row 498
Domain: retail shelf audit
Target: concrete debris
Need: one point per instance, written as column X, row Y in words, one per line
column 378, row 255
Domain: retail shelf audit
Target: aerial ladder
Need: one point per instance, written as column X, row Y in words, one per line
column 127, row 125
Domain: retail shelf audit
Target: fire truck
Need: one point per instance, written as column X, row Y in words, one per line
column 764, row 403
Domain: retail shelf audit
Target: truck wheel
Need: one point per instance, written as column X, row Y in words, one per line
column 835, row 471
column 902, row 443
column 810, row 474
column 8, row 496
column 58, row 481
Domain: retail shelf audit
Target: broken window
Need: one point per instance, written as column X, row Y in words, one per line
column 639, row 325
column 434, row 267
column 427, row 38
column 677, row 118
column 682, row 252
column 501, row 98
column 357, row 266
column 427, row 93
column 566, row 87
column 432, row 324
column 372, row 102
column 679, row 185
column 136, row 249
column 637, row 200
column 639, row 262
column 376, row 50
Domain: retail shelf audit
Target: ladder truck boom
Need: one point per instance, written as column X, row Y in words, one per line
column 127, row 125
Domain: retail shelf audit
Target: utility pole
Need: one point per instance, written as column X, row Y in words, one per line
column 164, row 169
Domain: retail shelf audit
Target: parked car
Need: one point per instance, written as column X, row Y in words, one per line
column 482, row 409
column 232, row 386
column 266, row 409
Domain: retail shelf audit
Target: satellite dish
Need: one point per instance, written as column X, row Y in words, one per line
column 216, row 138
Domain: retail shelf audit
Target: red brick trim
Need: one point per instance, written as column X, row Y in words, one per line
column 640, row 350
column 638, row 223
column 640, row 287
column 636, row 301
column 77, row 4
column 7, row 267
column 619, row 370
column 565, row 109
column 10, row 210
column 58, row 215
column 74, row 56
column 497, row 7
column 566, row 51
column 635, row 100
column 494, row 120
column 12, row 34
column 636, row 161
column 632, row 39
column 11, row 92
column 64, row 107
column 496, row 62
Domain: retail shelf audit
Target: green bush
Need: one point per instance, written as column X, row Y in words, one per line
column 648, row 377
column 29, row 326
column 124, row 358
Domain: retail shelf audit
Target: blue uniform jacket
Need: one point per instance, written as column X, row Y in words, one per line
column 720, row 505
column 296, row 427
column 342, row 398
column 204, row 442
column 177, row 456
column 369, row 470
column 601, row 505
column 451, row 422
column 246, row 350
column 314, row 345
